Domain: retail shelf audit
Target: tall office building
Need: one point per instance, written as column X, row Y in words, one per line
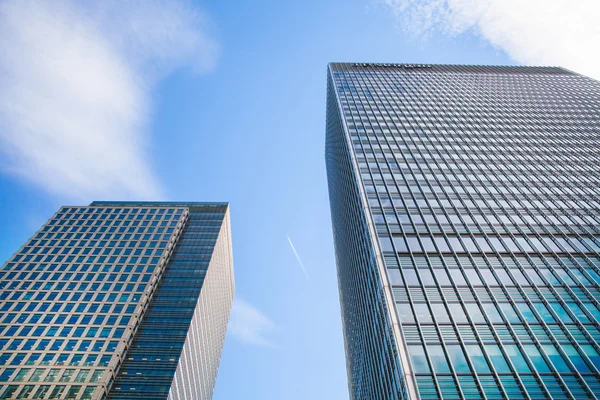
column 118, row 301
column 465, row 205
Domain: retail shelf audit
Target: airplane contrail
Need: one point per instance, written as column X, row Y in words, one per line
column 297, row 257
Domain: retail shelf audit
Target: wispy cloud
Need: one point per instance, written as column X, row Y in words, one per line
column 249, row 325
column 75, row 82
column 298, row 258
column 532, row 32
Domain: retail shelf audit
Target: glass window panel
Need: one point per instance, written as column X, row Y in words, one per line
column 400, row 244
column 413, row 244
column 537, row 244
column 441, row 244
column 455, row 243
column 579, row 313
column 591, row 244
column 496, row 244
column 458, row 359
column 536, row 358
column 395, row 277
column 405, row 313
column 526, row 312
column 593, row 274
column 519, row 277
column 503, row 277
column 410, row 275
column 556, row 358
column 442, row 276
column 579, row 275
column 438, row 359
column 543, row 311
column 488, row 277
column 497, row 358
column 564, row 276
column 469, row 244
column 517, row 359
column 549, row 276
column 426, row 277
column 561, row 312
column 533, row 275
column 509, row 313
column 473, row 277
column 483, row 244
column 457, row 277
column 457, row 312
column 419, row 361
column 475, row 312
column 386, row 244
column 440, row 313
column 428, row 244
column 492, row 312
column 422, row 312
column 575, row 358
column 477, row 358
column 592, row 355
column 523, row 243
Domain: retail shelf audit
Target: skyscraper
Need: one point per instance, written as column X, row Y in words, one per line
column 465, row 205
column 118, row 300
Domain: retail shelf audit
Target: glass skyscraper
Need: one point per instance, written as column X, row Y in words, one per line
column 118, row 300
column 465, row 205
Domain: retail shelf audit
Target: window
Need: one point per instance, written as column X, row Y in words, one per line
column 477, row 358
column 438, row 359
column 439, row 312
column 517, row 359
column 475, row 313
column 497, row 358
column 575, row 358
column 473, row 277
column 418, row 358
column 422, row 312
column 458, row 277
column 458, row 359
column 442, row 277
column 526, row 312
column 556, row 358
column 457, row 312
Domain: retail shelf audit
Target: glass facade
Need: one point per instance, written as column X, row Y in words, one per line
column 466, row 215
column 91, row 293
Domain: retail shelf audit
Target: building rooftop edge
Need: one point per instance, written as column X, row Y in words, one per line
column 452, row 67
column 159, row 203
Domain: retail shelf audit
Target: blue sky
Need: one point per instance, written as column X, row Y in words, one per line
column 211, row 100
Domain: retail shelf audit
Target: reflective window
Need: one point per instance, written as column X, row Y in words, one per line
column 497, row 358
column 438, row 359
column 517, row 359
column 440, row 313
column 536, row 358
column 418, row 358
column 556, row 358
column 575, row 358
column 475, row 313
column 422, row 311
column 457, row 356
column 477, row 358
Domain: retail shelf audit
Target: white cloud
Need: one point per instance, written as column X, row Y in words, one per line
column 75, row 86
column 249, row 325
column 532, row 32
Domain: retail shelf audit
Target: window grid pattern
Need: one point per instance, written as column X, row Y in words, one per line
column 151, row 362
column 483, row 186
column 373, row 364
column 72, row 296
